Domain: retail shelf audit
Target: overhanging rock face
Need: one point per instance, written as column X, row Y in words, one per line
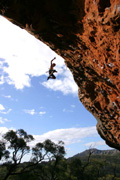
column 86, row 33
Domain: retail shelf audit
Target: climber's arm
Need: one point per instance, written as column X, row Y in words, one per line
column 53, row 59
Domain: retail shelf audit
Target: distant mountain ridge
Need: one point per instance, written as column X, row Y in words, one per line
column 96, row 152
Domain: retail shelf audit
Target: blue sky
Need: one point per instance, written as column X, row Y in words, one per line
column 46, row 109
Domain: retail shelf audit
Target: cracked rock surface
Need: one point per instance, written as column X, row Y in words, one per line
column 86, row 33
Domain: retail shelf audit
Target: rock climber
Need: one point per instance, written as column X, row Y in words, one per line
column 51, row 70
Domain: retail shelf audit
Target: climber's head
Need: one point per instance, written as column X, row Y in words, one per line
column 54, row 64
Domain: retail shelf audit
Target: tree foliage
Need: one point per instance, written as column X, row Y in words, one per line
column 17, row 145
column 47, row 161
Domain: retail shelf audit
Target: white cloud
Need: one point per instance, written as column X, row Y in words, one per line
column 68, row 136
column 66, row 84
column 1, row 107
column 1, row 73
column 2, row 79
column 31, row 112
column 67, row 110
column 8, row 97
column 3, row 120
column 6, row 112
column 27, row 57
column 73, row 106
column 95, row 144
column 3, row 130
column 42, row 112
